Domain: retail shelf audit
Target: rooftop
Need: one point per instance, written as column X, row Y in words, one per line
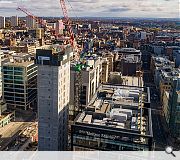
column 127, row 50
column 19, row 59
column 119, row 107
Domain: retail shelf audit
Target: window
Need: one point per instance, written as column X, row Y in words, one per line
column 18, row 69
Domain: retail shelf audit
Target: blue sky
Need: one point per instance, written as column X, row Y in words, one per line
column 105, row 8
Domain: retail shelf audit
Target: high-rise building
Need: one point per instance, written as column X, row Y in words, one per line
column 2, row 22
column 14, row 21
column 30, row 22
column 53, row 97
column 59, row 27
column 19, row 82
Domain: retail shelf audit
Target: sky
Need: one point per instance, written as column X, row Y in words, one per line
column 95, row 8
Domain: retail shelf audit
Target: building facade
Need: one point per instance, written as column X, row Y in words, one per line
column 5, row 116
column 14, row 21
column 129, row 61
column 2, row 22
column 90, row 81
column 53, row 97
column 30, row 22
column 20, row 82
column 117, row 119
column 174, row 104
column 105, row 71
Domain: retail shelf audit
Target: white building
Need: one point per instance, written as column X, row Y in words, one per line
column 53, row 97
column 2, row 22
column 30, row 22
column 14, row 21
column 90, row 81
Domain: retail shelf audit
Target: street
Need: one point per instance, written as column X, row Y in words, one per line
column 11, row 131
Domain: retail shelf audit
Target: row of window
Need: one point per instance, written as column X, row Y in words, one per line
column 8, row 68
column 10, row 77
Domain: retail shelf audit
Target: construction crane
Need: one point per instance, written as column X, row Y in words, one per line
column 68, row 22
column 78, row 67
column 38, row 20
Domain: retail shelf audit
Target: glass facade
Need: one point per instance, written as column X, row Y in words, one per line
column 19, row 85
column 99, row 138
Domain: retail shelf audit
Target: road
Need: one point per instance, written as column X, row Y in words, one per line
column 6, row 140
column 11, row 131
column 160, row 136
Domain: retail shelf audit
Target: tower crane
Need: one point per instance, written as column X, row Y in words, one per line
column 68, row 22
column 28, row 13
column 79, row 66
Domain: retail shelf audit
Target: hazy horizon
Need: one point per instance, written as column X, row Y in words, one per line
column 94, row 8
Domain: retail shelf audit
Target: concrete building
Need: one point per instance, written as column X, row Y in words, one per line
column 133, row 81
column 59, row 27
column 157, row 65
column 53, row 97
column 26, row 46
column 91, row 77
column 166, row 80
column 176, row 57
column 14, row 21
column 37, row 33
column 110, row 58
column 115, row 78
column 19, row 81
column 2, row 22
column 117, row 119
column 129, row 61
column 105, row 70
column 30, row 22
column 174, row 104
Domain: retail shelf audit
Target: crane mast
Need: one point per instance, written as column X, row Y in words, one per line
column 78, row 67
column 68, row 22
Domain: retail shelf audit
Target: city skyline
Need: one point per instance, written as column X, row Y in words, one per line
column 95, row 8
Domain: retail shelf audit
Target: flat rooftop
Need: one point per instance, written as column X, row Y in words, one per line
column 20, row 64
column 119, row 108
column 127, row 50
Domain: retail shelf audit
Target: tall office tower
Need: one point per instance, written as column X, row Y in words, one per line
column 19, row 82
column 59, row 27
column 53, row 97
column 14, row 21
column 30, row 22
column 2, row 22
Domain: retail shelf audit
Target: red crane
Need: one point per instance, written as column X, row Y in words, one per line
column 40, row 21
column 68, row 22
